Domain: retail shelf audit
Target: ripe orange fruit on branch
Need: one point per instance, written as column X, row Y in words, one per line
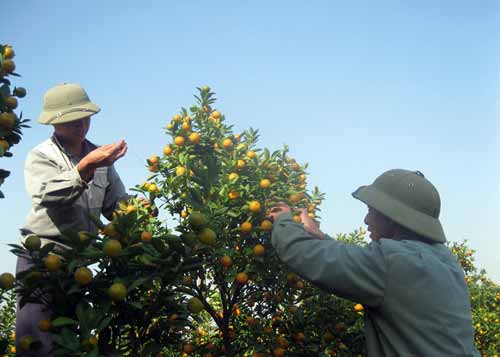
column 44, row 325
column 215, row 114
column 4, row 144
column 240, row 164
column 83, row 276
column 179, row 140
column 246, row 227
column 299, row 337
column 233, row 194
column 117, row 292
column 154, row 159
column 131, row 209
column 186, row 126
column 293, row 198
column 176, row 117
column 146, row 236
column 279, row 352
column 226, row 261
column 8, row 66
column 188, row 348
column 358, row 308
column 266, row 225
column 7, row 120
column 259, row 250
column 179, row 171
column 227, row 143
column 11, row 102
column 52, row 262
column 8, row 52
column 152, row 188
column 254, row 206
column 242, row 278
column 265, row 183
column 232, row 176
column 282, row 341
column 250, row 321
column 167, row 150
column 251, row 154
column 195, row 138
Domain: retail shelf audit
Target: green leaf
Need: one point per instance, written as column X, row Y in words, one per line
column 104, row 323
column 233, row 214
column 137, row 283
column 72, row 265
column 46, row 249
column 74, row 289
column 63, row 321
column 4, row 91
column 136, row 304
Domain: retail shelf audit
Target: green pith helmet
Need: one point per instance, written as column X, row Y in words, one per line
column 407, row 198
column 66, row 102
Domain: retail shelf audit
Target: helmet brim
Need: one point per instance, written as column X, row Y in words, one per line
column 76, row 112
column 400, row 213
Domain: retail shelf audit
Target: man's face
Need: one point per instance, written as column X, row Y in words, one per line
column 73, row 131
column 379, row 225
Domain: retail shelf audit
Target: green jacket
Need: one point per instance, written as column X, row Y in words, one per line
column 415, row 296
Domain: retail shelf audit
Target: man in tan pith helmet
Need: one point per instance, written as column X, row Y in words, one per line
column 413, row 289
column 68, row 179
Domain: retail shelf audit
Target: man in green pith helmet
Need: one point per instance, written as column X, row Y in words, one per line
column 68, row 179
column 412, row 287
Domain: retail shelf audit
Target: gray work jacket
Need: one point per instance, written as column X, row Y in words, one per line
column 415, row 296
column 61, row 200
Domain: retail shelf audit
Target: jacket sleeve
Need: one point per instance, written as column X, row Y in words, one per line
column 347, row 270
column 115, row 192
column 47, row 185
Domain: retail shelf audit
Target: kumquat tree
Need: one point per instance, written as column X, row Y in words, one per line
column 206, row 282
column 10, row 124
column 10, row 134
column 219, row 185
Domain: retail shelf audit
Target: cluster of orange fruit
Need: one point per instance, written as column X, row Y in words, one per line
column 10, row 124
column 248, row 184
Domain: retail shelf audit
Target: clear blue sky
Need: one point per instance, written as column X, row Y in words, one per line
column 355, row 88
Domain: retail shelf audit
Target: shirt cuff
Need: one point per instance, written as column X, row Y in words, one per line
column 283, row 217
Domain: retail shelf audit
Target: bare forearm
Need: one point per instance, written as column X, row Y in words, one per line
column 86, row 169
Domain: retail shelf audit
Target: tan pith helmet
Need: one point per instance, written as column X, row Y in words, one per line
column 66, row 102
column 407, row 198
